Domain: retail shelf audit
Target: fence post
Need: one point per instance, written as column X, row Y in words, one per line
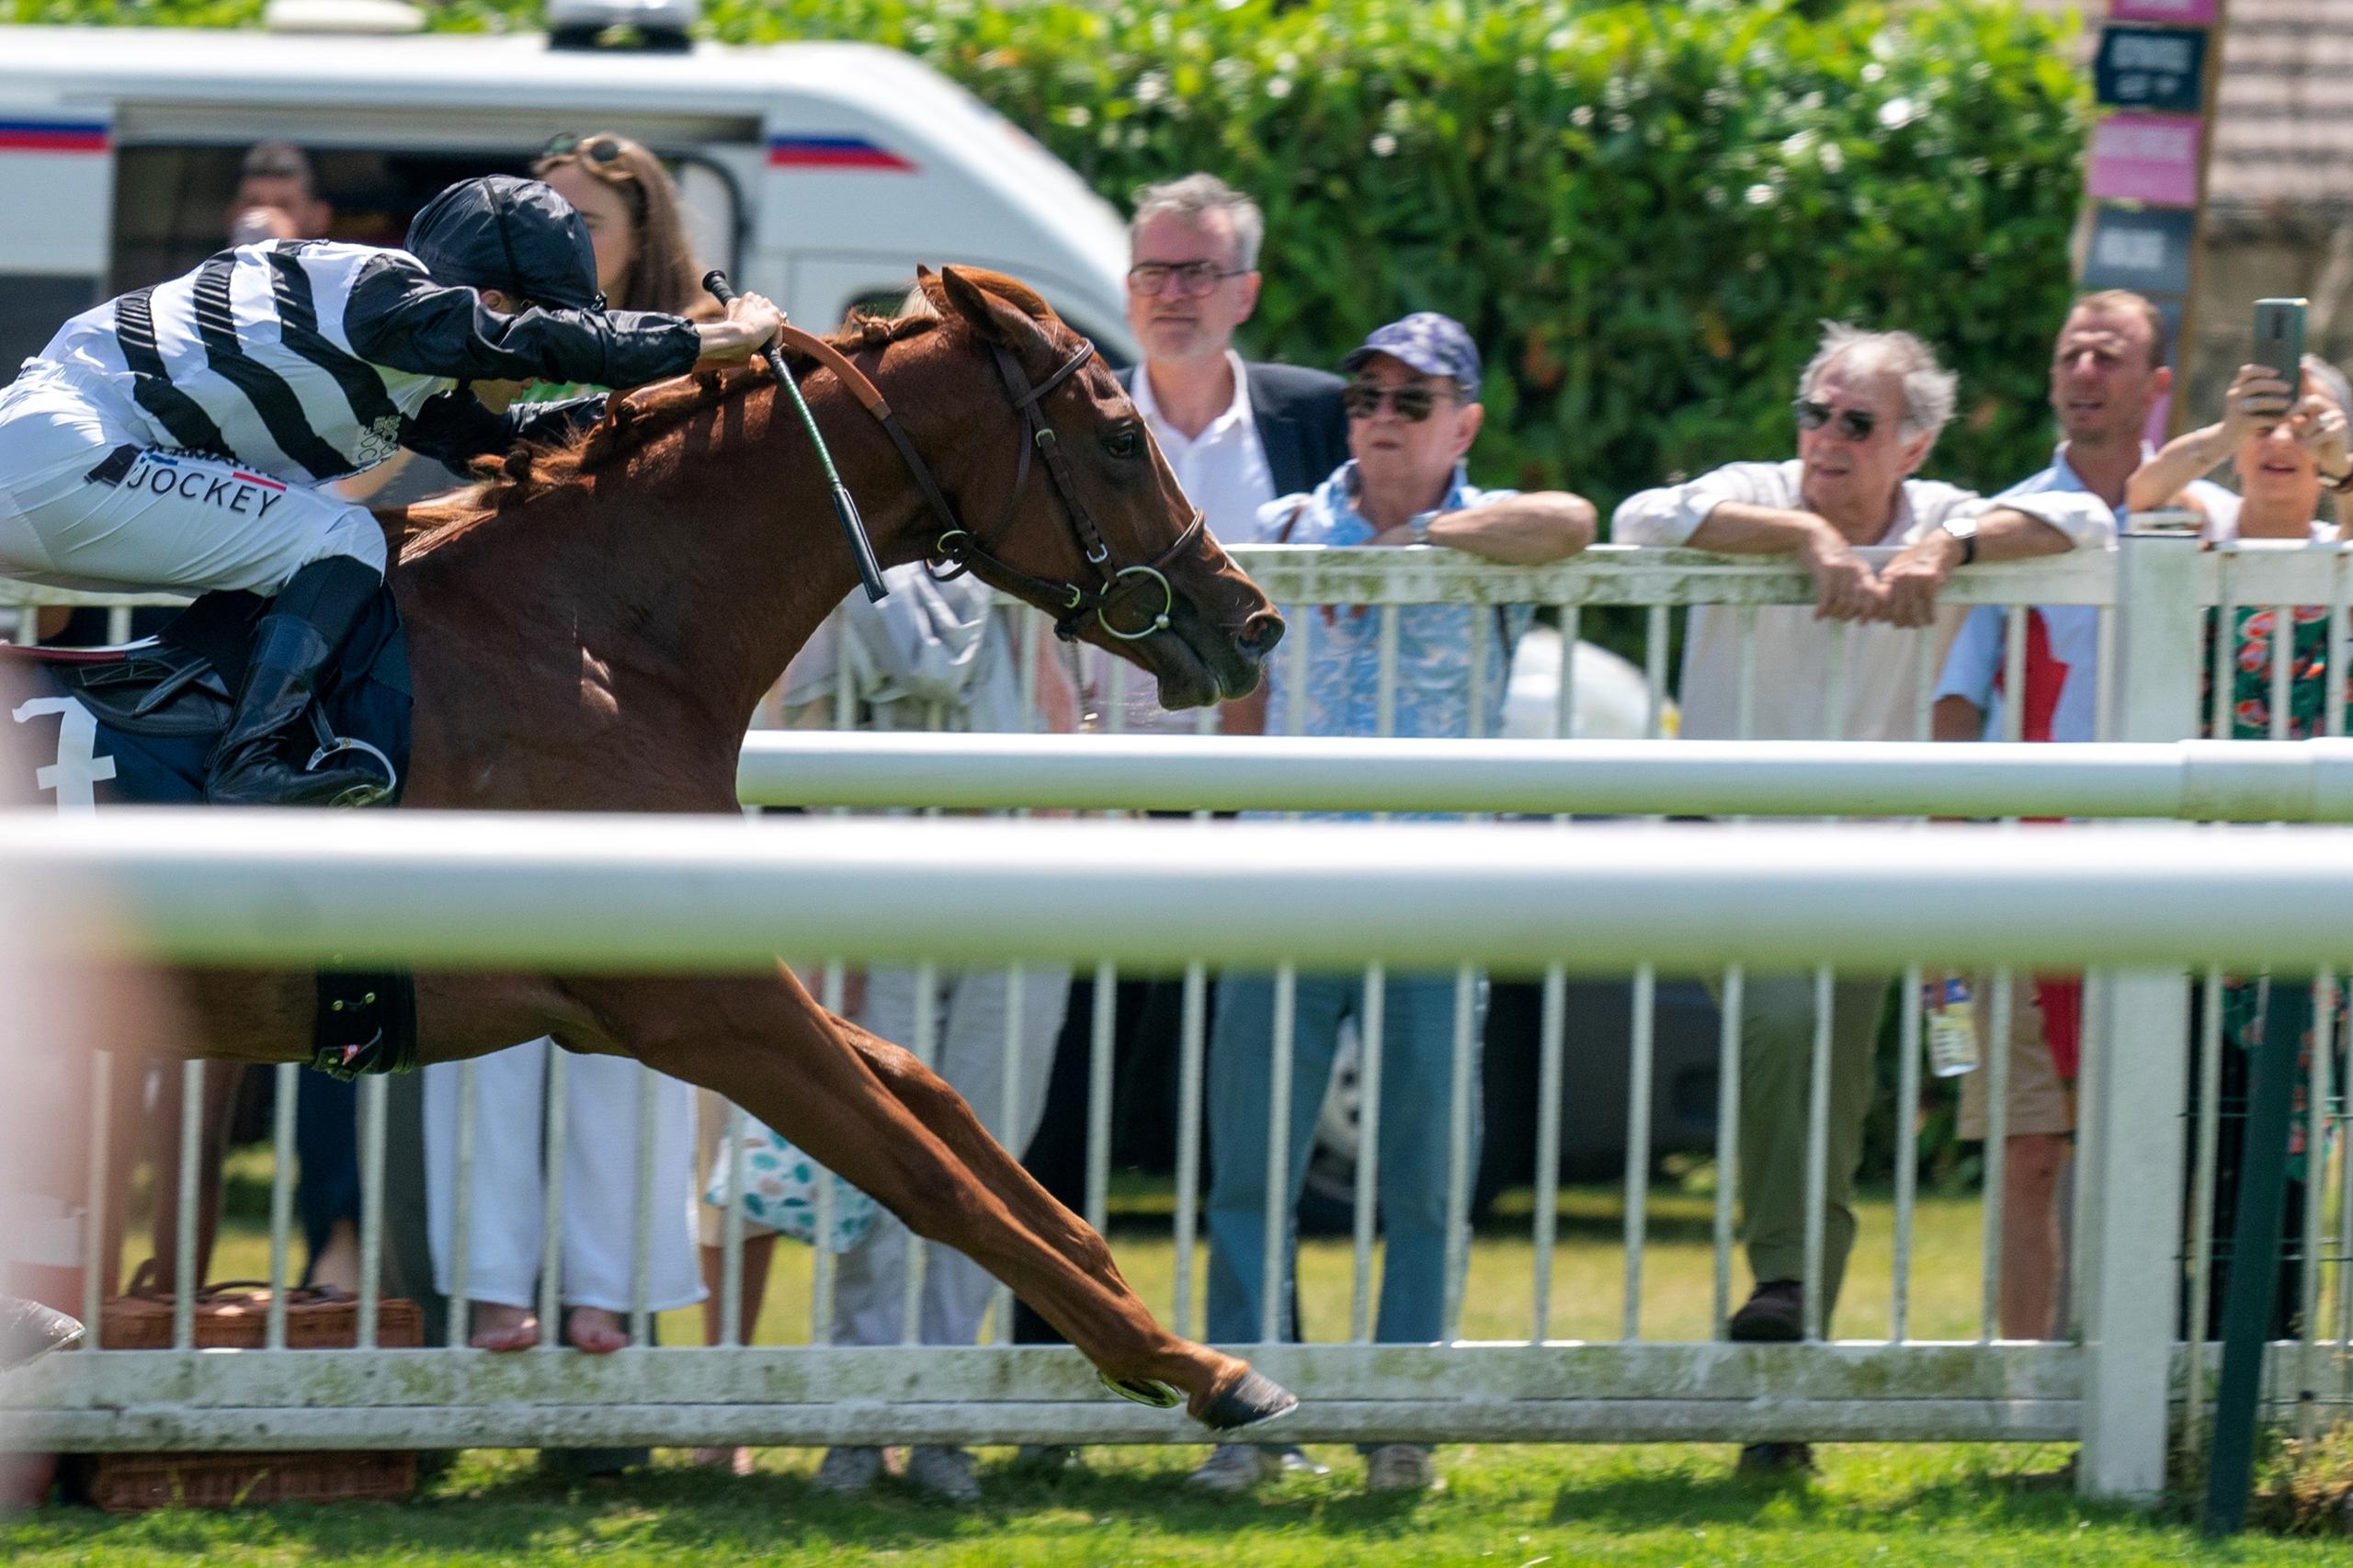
column 2138, row 1089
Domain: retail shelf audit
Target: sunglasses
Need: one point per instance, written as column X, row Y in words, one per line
column 1853, row 423
column 1363, row 400
column 1189, row 279
column 598, row 152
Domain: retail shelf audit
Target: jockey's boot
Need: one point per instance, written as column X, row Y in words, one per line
column 260, row 759
column 29, row 1329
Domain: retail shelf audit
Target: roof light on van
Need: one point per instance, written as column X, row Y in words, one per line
column 621, row 24
column 342, row 17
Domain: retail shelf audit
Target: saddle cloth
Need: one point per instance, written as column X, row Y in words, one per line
column 133, row 725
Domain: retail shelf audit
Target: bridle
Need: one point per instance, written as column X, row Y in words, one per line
column 956, row 550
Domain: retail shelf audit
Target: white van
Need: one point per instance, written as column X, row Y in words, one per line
column 820, row 174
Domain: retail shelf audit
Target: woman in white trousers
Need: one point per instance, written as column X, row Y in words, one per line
column 594, row 1209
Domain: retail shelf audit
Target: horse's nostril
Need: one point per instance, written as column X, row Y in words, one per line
column 1260, row 633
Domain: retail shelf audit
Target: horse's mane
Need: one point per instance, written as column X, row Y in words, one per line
column 634, row 419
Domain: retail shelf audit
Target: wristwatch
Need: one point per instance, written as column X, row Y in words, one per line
column 1419, row 524
column 1966, row 530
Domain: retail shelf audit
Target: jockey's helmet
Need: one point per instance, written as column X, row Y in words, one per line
column 515, row 235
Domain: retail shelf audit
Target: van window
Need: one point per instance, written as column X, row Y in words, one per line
column 171, row 205
column 32, row 307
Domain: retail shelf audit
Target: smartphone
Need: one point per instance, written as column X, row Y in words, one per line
column 2279, row 338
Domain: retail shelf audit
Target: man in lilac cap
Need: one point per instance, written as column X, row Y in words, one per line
column 1414, row 412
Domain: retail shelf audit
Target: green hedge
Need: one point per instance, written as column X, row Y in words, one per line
column 1641, row 209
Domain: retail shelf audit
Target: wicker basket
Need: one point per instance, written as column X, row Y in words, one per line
column 132, row 1483
column 236, row 1316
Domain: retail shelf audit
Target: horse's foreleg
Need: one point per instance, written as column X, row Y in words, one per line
column 951, row 1118
column 770, row 1049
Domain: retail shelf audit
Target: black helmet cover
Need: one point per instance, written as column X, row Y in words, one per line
column 515, row 235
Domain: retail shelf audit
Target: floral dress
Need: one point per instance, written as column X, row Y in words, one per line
column 2250, row 719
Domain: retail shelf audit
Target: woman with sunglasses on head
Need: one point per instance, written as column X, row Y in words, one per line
column 185, row 436
column 645, row 260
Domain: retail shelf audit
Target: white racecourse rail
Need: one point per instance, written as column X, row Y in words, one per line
column 1523, row 897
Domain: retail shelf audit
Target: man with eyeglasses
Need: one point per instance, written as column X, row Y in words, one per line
column 1414, row 412
column 1237, row 433
column 1869, row 409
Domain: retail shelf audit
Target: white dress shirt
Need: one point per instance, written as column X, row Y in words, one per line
column 1225, row 472
column 1793, row 652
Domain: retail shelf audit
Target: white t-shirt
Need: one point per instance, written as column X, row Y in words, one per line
column 2222, row 516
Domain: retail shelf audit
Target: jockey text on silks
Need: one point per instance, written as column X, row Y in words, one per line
column 132, row 468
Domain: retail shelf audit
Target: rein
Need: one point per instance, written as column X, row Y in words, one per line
column 956, row 549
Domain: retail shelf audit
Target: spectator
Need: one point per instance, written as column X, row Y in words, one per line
column 644, row 262
column 1413, row 413
column 2108, row 371
column 277, row 198
column 1868, row 410
column 932, row 656
column 2283, row 466
column 1238, row 433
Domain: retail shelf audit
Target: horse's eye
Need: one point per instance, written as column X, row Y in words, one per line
column 1123, row 443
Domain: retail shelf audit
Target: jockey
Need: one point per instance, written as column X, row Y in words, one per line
column 182, row 436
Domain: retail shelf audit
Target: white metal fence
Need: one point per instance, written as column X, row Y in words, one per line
column 2244, row 887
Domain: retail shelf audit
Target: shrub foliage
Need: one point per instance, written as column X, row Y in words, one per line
column 1641, row 209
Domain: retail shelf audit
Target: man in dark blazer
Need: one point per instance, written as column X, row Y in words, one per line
column 1296, row 411
column 1238, row 434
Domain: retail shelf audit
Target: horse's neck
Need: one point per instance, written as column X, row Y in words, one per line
column 703, row 563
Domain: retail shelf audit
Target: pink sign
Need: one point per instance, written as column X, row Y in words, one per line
column 2146, row 157
column 2181, row 13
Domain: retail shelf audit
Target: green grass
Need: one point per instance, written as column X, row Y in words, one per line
column 1503, row 1504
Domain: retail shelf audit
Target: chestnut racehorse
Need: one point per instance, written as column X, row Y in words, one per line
column 591, row 629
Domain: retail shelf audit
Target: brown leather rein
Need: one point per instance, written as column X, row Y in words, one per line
column 956, row 550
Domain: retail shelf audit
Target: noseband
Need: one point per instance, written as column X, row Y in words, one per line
column 956, row 549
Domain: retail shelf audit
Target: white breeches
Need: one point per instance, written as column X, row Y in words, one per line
column 87, row 500
column 971, row 1012
column 597, row 1205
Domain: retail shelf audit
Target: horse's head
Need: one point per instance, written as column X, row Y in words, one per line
column 1102, row 537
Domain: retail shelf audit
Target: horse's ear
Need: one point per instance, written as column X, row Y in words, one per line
column 994, row 317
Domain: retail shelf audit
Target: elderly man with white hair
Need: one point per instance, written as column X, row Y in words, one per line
column 1869, row 407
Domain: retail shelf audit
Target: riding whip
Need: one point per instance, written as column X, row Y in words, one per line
column 861, row 549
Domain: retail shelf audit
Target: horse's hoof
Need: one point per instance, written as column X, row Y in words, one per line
column 1256, row 1399
column 1143, row 1391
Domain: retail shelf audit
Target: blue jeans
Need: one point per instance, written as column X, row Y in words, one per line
column 1416, row 1089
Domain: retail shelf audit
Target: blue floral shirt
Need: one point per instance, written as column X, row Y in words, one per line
column 1434, row 641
